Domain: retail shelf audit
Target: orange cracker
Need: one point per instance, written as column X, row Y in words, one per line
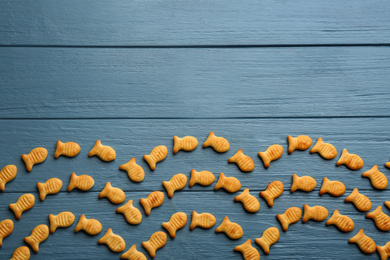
column 290, row 216
column 384, row 251
column 230, row 184
column 36, row 156
column 305, row 183
column 334, row 188
column 177, row 182
column 365, row 243
column 274, row 190
column 90, row 226
column 244, row 162
column 352, row 161
column 360, row 201
column 203, row 220
column 154, row 199
column 326, row 150
column 134, row 171
column 204, row 178
column 25, row 202
column 113, row 194
column 187, row 143
column 382, row 221
column 155, row 242
column 114, row 242
column 248, row 251
column 251, row 204
column 7, row 174
column 69, row 149
column 317, row 213
column 378, row 179
column 133, row 254
column 64, row 219
column 342, row 222
column 39, row 234
column 104, row 152
column 301, row 142
column 219, row 144
column 158, row 154
column 51, row 186
column 176, row 222
column 132, row 214
column 6, row 228
column 21, row 253
column 270, row 236
column 82, row 182
column 272, row 153
column 231, row 229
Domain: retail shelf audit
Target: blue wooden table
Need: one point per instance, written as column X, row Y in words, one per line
column 135, row 73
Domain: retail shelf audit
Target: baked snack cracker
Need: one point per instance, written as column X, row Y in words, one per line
column 317, row 213
column 177, row 182
column 203, row 220
column 133, row 254
column 132, row 214
column 104, row 152
column 51, row 186
column 334, row 188
column 272, row 153
column 248, row 251
column 251, row 204
column 39, row 234
column 274, row 190
column 352, row 161
column 230, row 184
column 25, row 202
column 158, row 154
column 114, row 242
column 326, row 150
column 134, row 171
column 378, row 179
column 36, row 156
column 387, row 203
column 69, row 149
column 301, row 142
column 360, row 201
column 342, row 222
column 6, row 228
column 365, row 243
column 113, row 194
column 204, row 178
column 270, row 236
column 219, row 144
column 176, row 222
column 187, row 143
column 64, row 219
column 305, row 183
column 21, row 253
column 384, row 251
column 154, row 199
column 82, row 182
column 244, row 162
column 155, row 242
column 382, row 220
column 290, row 216
column 90, row 226
column 7, row 174
column 231, row 229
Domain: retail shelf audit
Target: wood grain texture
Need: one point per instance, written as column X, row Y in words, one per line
column 364, row 136
column 193, row 22
column 194, row 83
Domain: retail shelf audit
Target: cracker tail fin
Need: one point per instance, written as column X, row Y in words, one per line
column 221, row 227
column 79, row 225
column 193, row 178
column 295, row 184
column 168, row 227
column 52, row 221
column 376, row 212
column 72, row 181
column 352, row 196
column 242, row 195
column 237, row 155
column 167, row 185
column 357, row 237
column 145, row 205
column 220, row 181
column 104, row 238
column 324, row 186
column 209, row 140
column 333, row 218
column 13, row 207
column 176, row 144
column 306, row 213
column 150, row 161
column 95, row 148
column 27, row 161
column 316, row 147
column 194, row 221
column 60, row 148
column 264, row 245
column 291, row 144
column 343, row 157
column 264, row 157
column 105, row 191
column 282, row 221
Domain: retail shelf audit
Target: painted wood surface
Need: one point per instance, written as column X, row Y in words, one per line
column 194, row 83
column 133, row 138
column 193, row 22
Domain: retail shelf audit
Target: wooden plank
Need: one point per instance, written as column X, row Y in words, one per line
column 194, row 83
column 199, row 22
